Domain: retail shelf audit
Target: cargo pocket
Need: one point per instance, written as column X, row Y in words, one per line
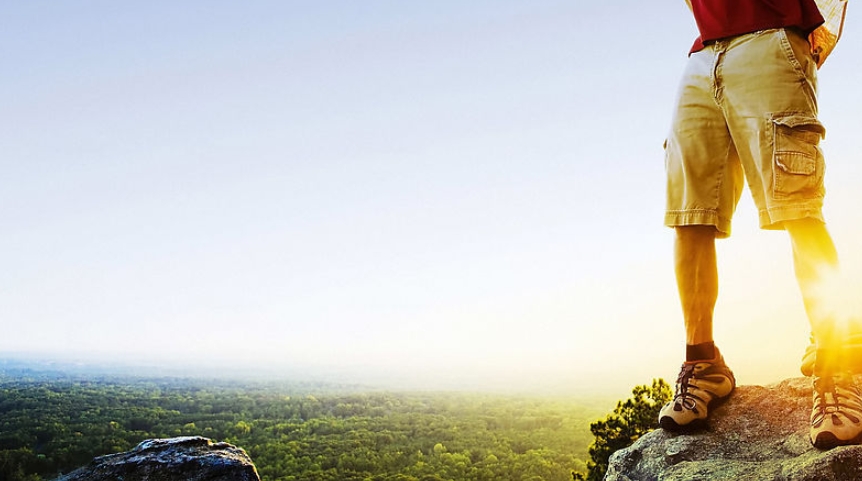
column 797, row 159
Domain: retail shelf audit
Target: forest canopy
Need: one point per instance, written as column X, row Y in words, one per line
column 51, row 425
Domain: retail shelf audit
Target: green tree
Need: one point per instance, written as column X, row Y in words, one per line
column 630, row 420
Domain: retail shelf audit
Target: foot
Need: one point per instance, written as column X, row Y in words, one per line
column 700, row 385
column 836, row 418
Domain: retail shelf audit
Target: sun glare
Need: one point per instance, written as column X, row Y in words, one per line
column 835, row 302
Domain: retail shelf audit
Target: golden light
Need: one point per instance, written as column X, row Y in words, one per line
column 835, row 308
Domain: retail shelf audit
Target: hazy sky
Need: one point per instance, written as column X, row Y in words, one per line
column 445, row 191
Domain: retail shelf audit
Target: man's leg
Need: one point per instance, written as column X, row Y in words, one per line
column 814, row 259
column 704, row 184
column 697, row 282
column 704, row 377
column 836, row 417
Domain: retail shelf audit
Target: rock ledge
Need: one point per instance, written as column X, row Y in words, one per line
column 191, row 458
column 760, row 433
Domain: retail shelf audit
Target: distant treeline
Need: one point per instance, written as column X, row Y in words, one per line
column 51, row 425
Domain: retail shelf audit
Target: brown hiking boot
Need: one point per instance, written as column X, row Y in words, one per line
column 700, row 385
column 836, row 417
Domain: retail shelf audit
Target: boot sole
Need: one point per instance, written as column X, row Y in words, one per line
column 827, row 440
column 668, row 424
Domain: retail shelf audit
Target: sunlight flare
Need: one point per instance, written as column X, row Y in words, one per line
column 835, row 308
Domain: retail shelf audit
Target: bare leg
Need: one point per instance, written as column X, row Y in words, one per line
column 697, row 280
column 704, row 377
column 814, row 257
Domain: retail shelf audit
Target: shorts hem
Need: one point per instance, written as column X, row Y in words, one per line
column 773, row 219
column 683, row 218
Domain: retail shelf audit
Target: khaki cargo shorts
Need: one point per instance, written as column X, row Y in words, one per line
column 746, row 111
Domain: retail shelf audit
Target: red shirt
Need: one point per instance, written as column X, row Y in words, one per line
column 725, row 18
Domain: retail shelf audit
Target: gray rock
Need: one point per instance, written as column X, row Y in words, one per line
column 760, row 433
column 175, row 459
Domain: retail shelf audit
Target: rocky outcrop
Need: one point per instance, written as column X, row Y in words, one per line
column 760, row 433
column 175, row 459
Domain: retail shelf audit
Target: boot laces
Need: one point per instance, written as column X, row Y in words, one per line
column 686, row 399
column 828, row 394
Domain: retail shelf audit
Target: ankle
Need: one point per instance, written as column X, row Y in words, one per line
column 704, row 351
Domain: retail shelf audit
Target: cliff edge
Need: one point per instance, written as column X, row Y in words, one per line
column 760, row 433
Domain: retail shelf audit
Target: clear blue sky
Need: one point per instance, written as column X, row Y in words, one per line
column 451, row 191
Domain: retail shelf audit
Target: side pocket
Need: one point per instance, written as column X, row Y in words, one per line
column 798, row 164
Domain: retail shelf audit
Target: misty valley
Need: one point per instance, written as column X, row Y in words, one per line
column 52, row 423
